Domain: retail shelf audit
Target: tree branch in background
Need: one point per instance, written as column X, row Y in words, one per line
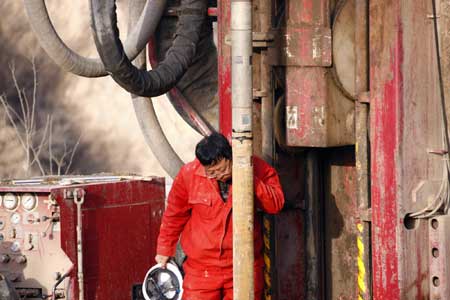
column 37, row 143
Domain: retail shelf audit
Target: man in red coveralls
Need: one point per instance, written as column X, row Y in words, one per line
column 199, row 209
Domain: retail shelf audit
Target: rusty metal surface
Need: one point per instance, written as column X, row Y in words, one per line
column 224, row 67
column 317, row 113
column 404, row 106
column 386, row 80
column 288, row 231
column 290, row 255
column 313, row 228
column 444, row 24
column 362, row 158
column 344, row 47
column 307, row 11
column 302, row 45
column 341, row 216
column 306, row 107
column 38, row 241
column 121, row 223
column 439, row 247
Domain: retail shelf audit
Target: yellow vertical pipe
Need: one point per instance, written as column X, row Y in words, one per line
column 243, row 218
column 242, row 143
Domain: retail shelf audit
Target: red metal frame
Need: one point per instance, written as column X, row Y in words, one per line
column 121, row 219
column 390, row 71
column 386, row 97
column 404, row 125
column 224, row 67
column 120, row 225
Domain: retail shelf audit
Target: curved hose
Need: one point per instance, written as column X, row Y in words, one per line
column 178, row 100
column 70, row 61
column 146, row 116
column 178, row 58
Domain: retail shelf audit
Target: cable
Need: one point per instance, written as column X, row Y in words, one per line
column 168, row 72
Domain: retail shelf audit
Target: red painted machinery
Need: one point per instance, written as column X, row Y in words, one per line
column 118, row 220
column 349, row 106
column 367, row 218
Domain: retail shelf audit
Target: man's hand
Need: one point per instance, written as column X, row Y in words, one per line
column 162, row 259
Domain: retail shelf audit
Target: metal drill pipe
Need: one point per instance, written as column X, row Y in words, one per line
column 242, row 97
column 265, row 14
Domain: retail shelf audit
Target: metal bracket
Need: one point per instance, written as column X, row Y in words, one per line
column 364, row 97
column 438, row 151
column 263, row 39
column 365, row 214
column 257, row 94
column 260, row 39
column 71, row 194
column 433, row 16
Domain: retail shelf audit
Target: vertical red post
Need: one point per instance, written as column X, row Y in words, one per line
column 224, row 67
column 386, row 54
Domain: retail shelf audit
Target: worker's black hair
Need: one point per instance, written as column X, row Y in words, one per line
column 213, row 148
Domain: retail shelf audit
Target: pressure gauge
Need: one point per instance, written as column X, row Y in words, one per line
column 15, row 218
column 29, row 201
column 10, row 201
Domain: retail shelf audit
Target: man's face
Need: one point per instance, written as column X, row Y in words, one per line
column 220, row 171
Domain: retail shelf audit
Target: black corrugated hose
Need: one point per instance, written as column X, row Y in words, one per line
column 178, row 58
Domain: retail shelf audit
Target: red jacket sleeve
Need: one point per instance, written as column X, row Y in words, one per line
column 268, row 192
column 176, row 215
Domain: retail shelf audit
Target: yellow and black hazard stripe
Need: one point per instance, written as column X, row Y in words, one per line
column 362, row 288
column 268, row 255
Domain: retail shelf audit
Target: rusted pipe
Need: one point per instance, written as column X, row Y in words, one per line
column 362, row 145
column 242, row 142
column 72, row 62
column 146, row 116
column 313, row 232
column 265, row 13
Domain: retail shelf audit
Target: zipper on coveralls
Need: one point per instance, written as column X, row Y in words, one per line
column 224, row 230
column 215, row 184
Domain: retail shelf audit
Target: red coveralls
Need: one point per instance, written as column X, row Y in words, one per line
column 196, row 211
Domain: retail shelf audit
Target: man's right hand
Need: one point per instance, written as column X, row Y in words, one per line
column 162, row 259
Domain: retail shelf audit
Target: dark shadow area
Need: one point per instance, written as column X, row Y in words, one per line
column 339, row 217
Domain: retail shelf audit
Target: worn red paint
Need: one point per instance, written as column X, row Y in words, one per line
column 386, row 122
column 212, row 11
column 307, row 93
column 120, row 226
column 306, row 51
column 224, row 68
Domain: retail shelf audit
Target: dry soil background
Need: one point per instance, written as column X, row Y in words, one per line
column 97, row 109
